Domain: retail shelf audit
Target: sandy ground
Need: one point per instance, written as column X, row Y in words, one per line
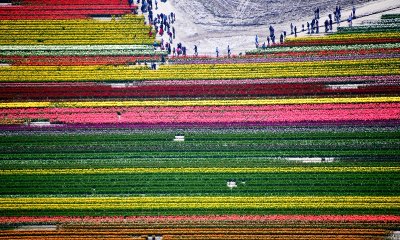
column 219, row 23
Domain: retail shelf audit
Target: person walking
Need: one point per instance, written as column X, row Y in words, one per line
column 195, row 51
column 229, row 52
column 217, row 52
column 256, row 41
column 350, row 20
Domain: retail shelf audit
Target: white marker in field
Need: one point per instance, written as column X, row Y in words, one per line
column 179, row 138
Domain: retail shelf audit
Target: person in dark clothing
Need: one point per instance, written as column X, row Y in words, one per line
column 295, row 31
column 281, row 38
column 308, row 27
column 271, row 31
column 313, row 26
column 184, row 51
column 195, row 51
column 326, row 24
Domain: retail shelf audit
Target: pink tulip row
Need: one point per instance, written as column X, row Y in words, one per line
column 220, row 114
column 208, row 218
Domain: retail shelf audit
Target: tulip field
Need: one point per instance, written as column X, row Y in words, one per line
column 299, row 140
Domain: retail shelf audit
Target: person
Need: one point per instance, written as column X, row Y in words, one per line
column 316, row 26
column 173, row 32
column 330, row 24
column 195, row 51
column 184, row 51
column 217, row 52
column 173, row 51
column 281, row 38
column 291, row 29
column 295, row 31
column 264, row 46
column 350, row 20
column 308, row 27
column 354, row 12
column 268, row 39
column 271, row 31
column 326, row 23
column 302, row 28
column 229, row 51
column 256, row 41
column 312, row 26
column 156, row 3
column 169, row 49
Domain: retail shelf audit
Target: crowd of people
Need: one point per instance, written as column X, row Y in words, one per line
column 163, row 26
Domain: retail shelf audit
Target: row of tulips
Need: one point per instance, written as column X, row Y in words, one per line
column 105, row 51
column 76, row 60
column 103, row 203
column 204, row 115
column 24, row 8
column 282, row 58
column 10, row 14
column 127, row 21
column 324, row 48
column 359, row 52
column 75, row 2
column 204, row 218
column 194, row 231
column 294, row 103
column 338, row 81
column 335, row 37
column 190, row 91
column 202, row 71
column 309, row 169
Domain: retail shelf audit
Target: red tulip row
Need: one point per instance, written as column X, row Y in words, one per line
column 70, row 91
column 76, row 60
column 327, row 53
column 323, row 42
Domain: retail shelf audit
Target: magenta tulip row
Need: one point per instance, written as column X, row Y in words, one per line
column 208, row 218
column 217, row 114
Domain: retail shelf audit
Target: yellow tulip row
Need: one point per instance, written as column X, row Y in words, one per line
column 204, row 71
column 179, row 103
column 74, row 32
column 126, row 21
column 199, row 170
column 343, row 202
